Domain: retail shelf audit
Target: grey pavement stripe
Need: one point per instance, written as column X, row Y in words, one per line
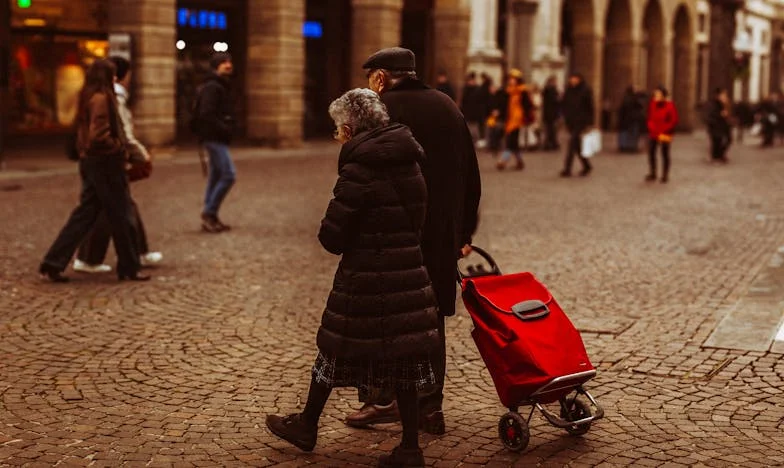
column 753, row 324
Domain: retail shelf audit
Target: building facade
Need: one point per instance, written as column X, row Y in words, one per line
column 291, row 56
column 621, row 43
column 613, row 43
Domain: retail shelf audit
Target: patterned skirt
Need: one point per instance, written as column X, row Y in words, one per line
column 377, row 374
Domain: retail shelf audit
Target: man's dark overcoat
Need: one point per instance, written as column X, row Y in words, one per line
column 452, row 174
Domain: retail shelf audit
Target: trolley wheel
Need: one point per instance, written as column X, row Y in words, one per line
column 573, row 409
column 513, row 431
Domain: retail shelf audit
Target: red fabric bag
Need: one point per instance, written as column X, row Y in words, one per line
column 524, row 337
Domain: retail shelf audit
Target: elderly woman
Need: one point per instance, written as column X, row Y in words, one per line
column 381, row 320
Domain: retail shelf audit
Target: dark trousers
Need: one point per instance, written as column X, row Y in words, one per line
column 430, row 399
column 551, row 135
column 93, row 249
column 104, row 189
column 575, row 144
column 720, row 143
column 768, row 133
column 653, row 146
column 482, row 128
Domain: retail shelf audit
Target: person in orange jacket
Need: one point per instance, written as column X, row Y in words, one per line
column 515, row 109
column 662, row 119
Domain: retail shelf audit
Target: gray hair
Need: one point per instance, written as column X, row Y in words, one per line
column 360, row 109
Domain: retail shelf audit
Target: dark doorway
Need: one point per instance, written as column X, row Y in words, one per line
column 327, row 34
column 203, row 27
column 416, row 34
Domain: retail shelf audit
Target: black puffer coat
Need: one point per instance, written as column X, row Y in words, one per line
column 382, row 305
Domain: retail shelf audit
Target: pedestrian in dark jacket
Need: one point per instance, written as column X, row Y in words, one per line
column 471, row 105
column 769, row 117
column 551, row 112
column 579, row 116
column 629, row 116
column 381, row 321
column 662, row 120
column 215, row 125
column 719, row 126
column 453, row 187
column 101, row 146
column 443, row 85
column 485, row 103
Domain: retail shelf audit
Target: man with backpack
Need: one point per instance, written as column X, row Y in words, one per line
column 213, row 123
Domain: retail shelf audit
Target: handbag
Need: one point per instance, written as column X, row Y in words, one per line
column 139, row 167
column 591, row 143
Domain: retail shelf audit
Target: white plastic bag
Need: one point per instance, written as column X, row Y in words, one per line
column 756, row 129
column 591, row 143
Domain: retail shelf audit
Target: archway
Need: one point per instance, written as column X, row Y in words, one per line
column 618, row 56
column 327, row 30
column 683, row 67
column 652, row 57
column 417, row 32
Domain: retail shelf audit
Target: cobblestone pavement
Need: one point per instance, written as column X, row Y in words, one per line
column 182, row 370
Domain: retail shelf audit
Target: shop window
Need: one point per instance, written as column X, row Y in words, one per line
column 46, row 75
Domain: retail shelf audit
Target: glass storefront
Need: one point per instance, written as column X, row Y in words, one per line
column 46, row 73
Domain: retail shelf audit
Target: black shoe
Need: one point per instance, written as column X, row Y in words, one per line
column 52, row 274
column 209, row 223
column 294, row 430
column 134, row 277
column 586, row 171
column 650, row 177
column 433, row 423
column 665, row 179
column 401, row 457
column 566, row 174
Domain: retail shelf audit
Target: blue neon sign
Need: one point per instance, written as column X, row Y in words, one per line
column 202, row 19
column 313, row 30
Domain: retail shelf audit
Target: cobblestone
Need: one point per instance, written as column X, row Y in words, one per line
column 181, row 371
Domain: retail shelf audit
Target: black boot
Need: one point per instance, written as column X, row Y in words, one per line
column 294, row 429
column 401, row 457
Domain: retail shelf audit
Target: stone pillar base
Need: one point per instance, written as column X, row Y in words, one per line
column 490, row 62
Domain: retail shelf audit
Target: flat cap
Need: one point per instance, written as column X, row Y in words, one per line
column 392, row 59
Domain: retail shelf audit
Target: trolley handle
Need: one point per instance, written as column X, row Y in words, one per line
column 522, row 310
column 474, row 272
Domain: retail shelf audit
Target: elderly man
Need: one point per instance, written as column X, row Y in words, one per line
column 454, row 187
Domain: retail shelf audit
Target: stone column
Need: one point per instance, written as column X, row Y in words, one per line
column 376, row 25
column 484, row 56
column 547, row 58
column 151, row 24
column 5, row 52
column 519, row 34
column 451, row 25
column 276, row 68
column 722, row 36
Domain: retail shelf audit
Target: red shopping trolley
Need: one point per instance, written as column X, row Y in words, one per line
column 534, row 354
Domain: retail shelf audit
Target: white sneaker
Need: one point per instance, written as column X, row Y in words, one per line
column 151, row 258
column 83, row 267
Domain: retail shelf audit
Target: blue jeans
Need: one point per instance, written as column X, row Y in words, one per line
column 221, row 178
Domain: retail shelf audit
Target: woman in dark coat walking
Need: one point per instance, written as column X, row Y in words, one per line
column 380, row 325
column 719, row 126
column 101, row 147
column 630, row 115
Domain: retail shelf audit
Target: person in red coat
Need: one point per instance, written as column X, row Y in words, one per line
column 662, row 119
